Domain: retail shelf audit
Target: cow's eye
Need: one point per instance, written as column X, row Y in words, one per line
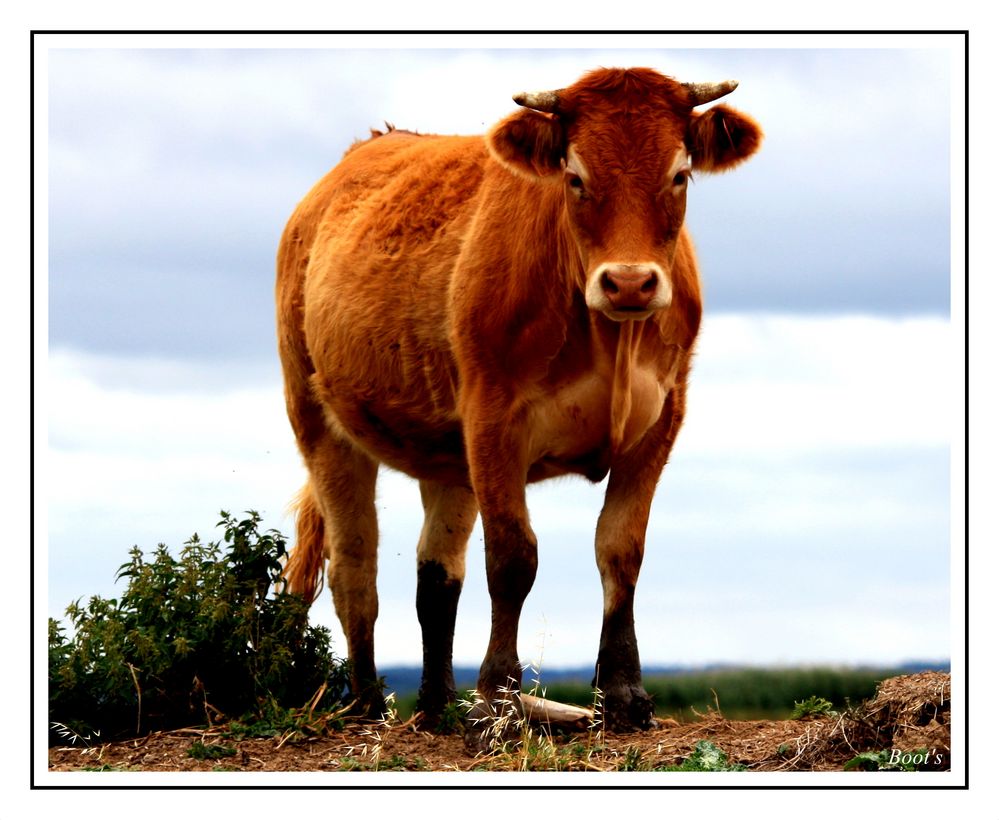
column 576, row 184
column 680, row 179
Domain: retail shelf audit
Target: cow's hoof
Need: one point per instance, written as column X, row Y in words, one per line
column 447, row 721
column 437, row 712
column 429, row 721
column 628, row 709
column 488, row 727
column 478, row 741
column 370, row 706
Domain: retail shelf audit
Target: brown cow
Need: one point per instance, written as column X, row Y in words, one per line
column 481, row 313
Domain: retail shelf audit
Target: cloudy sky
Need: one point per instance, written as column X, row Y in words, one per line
column 807, row 513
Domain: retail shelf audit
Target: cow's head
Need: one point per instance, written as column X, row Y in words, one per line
column 623, row 144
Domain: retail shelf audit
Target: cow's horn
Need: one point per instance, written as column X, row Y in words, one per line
column 539, row 100
column 700, row 93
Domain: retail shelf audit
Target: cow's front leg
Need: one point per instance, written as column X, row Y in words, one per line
column 499, row 476
column 620, row 546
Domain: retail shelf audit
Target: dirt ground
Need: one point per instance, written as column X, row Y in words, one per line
column 908, row 713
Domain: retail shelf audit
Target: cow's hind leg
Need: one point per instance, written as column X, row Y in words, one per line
column 343, row 480
column 450, row 513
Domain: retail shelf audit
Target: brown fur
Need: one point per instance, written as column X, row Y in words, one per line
column 436, row 314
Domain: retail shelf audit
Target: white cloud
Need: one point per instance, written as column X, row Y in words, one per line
column 161, row 409
column 780, row 384
column 172, row 172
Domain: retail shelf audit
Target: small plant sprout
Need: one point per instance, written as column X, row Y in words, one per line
column 708, row 758
column 200, row 750
column 812, row 707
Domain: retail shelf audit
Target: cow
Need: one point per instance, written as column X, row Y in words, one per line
column 481, row 313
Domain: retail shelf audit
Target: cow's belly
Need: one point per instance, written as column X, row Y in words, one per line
column 570, row 428
column 398, row 407
column 422, row 446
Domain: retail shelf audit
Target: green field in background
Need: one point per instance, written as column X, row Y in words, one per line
column 740, row 694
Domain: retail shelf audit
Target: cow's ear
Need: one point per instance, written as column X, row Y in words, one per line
column 721, row 137
column 529, row 143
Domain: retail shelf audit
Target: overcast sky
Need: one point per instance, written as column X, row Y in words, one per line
column 806, row 515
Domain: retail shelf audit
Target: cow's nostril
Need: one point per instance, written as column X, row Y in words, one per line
column 630, row 287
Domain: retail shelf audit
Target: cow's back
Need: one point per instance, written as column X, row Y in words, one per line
column 363, row 276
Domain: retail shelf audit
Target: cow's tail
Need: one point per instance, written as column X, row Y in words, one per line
column 303, row 571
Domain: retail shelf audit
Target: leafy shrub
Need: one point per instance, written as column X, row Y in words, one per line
column 191, row 640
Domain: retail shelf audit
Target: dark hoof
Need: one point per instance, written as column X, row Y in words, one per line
column 489, row 726
column 478, row 741
column 370, row 706
column 628, row 710
column 448, row 722
column 437, row 713
column 427, row 722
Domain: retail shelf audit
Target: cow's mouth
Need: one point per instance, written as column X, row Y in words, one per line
column 626, row 314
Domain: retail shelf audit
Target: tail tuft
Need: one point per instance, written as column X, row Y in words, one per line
column 306, row 562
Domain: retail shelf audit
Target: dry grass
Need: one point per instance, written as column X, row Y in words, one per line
column 907, row 713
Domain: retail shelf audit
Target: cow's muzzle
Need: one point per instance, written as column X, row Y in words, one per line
column 629, row 291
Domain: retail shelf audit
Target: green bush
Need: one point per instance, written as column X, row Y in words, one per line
column 190, row 641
